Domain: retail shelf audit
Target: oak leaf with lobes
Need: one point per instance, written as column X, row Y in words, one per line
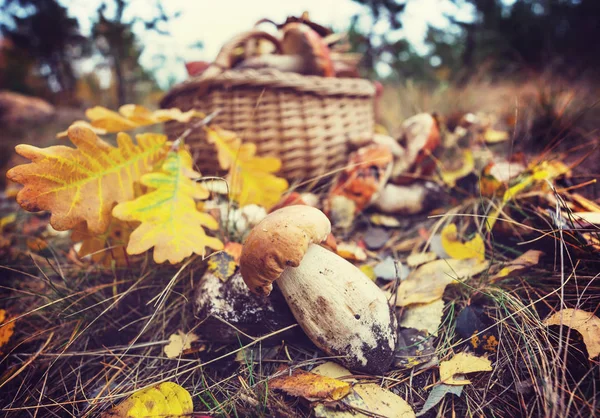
column 170, row 220
column 251, row 178
column 82, row 184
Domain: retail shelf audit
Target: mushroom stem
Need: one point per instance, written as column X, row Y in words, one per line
column 341, row 310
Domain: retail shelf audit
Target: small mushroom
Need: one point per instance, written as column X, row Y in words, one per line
column 339, row 308
column 300, row 40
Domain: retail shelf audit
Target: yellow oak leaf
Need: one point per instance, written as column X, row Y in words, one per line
column 251, row 178
column 586, row 323
column 132, row 116
column 82, row 184
column 170, row 220
column 460, row 364
column 166, row 399
column 475, row 248
column 310, row 386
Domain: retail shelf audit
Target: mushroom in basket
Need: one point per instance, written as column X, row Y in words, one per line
column 339, row 308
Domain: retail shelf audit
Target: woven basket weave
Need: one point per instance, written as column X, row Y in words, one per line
column 306, row 121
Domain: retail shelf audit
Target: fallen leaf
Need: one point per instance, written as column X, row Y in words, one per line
column 7, row 220
column 390, row 269
column 169, row 219
column 333, row 370
column 589, row 217
column 351, row 251
column 415, row 260
column 310, row 386
column 527, row 259
column 251, row 178
column 385, row 220
column 462, row 363
column 424, row 317
column 82, row 123
column 383, row 402
column 586, row 323
column 166, row 399
column 132, row 116
column 369, row 271
column 36, row 244
column 492, row 136
column 375, row 238
column 106, row 247
column 475, row 248
column 428, row 282
column 6, row 328
column 475, row 326
column 178, row 343
column 234, row 249
column 450, row 177
column 60, row 179
column 347, row 407
column 222, row 265
column 437, row 394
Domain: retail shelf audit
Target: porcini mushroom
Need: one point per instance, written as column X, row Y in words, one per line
column 300, row 40
column 339, row 308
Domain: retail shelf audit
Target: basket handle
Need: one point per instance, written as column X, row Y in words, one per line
column 224, row 60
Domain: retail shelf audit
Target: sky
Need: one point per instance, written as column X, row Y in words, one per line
column 213, row 22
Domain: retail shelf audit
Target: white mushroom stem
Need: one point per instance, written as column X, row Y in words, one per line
column 341, row 310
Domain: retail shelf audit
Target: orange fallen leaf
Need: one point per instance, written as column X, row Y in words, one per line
column 310, row 386
column 6, row 329
column 527, row 259
column 60, row 179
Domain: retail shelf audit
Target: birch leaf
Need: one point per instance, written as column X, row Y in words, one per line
column 460, row 364
column 586, row 323
column 82, row 184
column 170, row 220
column 251, row 178
column 166, row 399
column 475, row 248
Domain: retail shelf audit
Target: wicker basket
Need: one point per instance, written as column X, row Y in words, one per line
column 306, row 121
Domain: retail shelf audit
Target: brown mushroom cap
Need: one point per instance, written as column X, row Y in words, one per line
column 280, row 240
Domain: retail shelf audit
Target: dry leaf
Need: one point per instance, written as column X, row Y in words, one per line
column 437, row 394
column 493, row 136
column 333, row 370
column 351, row 251
column 132, row 116
column 6, row 328
column 475, row 248
column 104, row 248
column 424, row 317
column 586, row 323
column 369, row 271
column 383, row 402
column 251, row 178
column 428, row 282
column 385, row 220
column 170, row 221
column 82, row 184
column 527, row 259
column 462, row 363
column 163, row 400
column 178, row 343
column 589, row 217
column 450, row 177
column 415, row 260
column 222, row 265
column 310, row 386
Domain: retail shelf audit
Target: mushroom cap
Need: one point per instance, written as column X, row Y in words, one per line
column 300, row 39
column 279, row 241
